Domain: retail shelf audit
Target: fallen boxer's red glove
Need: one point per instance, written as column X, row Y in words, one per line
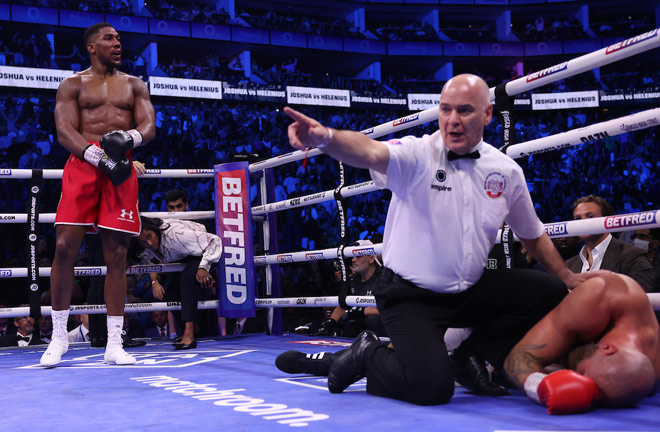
column 563, row 392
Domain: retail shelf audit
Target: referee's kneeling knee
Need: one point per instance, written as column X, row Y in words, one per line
column 432, row 394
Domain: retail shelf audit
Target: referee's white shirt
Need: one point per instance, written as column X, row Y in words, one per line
column 444, row 216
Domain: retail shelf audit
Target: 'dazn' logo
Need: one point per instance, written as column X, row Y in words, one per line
column 495, row 184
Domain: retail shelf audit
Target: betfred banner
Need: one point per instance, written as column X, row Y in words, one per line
column 233, row 223
column 32, row 77
column 188, row 88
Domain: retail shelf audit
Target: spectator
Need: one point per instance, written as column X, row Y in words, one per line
column 45, row 328
column 6, row 325
column 171, row 240
column 24, row 335
column 81, row 332
column 603, row 251
column 161, row 328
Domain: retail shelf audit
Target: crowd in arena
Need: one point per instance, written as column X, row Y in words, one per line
column 201, row 133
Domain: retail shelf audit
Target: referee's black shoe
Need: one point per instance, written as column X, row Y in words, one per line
column 471, row 373
column 127, row 342
column 295, row 362
column 348, row 365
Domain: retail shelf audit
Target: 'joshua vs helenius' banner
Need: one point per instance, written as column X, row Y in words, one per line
column 233, row 222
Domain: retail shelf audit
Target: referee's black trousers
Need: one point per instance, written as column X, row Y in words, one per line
column 501, row 307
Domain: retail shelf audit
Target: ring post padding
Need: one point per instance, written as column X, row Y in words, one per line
column 34, row 295
column 505, row 113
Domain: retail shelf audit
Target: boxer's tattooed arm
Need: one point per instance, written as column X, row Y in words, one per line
column 521, row 362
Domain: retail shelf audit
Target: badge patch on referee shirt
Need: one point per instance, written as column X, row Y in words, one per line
column 495, row 184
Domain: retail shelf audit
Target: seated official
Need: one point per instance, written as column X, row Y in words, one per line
column 174, row 240
column 349, row 323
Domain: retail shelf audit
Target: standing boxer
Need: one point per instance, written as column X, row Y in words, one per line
column 101, row 114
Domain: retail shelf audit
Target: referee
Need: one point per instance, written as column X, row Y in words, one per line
column 450, row 194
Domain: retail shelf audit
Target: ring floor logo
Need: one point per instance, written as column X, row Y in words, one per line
column 146, row 359
column 234, row 399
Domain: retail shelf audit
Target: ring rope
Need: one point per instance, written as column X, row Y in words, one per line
column 50, row 217
column 17, row 272
column 55, row 174
column 283, row 302
column 594, row 132
column 599, row 225
column 615, row 52
column 610, row 54
column 641, row 120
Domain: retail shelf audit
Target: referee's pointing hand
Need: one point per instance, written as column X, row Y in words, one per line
column 305, row 131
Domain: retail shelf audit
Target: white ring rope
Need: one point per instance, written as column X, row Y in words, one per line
column 101, row 309
column 602, row 57
column 621, row 125
column 633, row 122
column 283, row 302
column 55, row 174
column 315, row 255
column 50, row 217
column 615, row 52
column 16, row 272
column 616, row 223
column 348, row 191
column 607, row 55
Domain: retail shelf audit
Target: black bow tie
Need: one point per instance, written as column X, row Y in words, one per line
column 453, row 156
column 21, row 338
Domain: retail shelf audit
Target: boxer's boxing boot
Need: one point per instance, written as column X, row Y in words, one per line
column 59, row 344
column 114, row 351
